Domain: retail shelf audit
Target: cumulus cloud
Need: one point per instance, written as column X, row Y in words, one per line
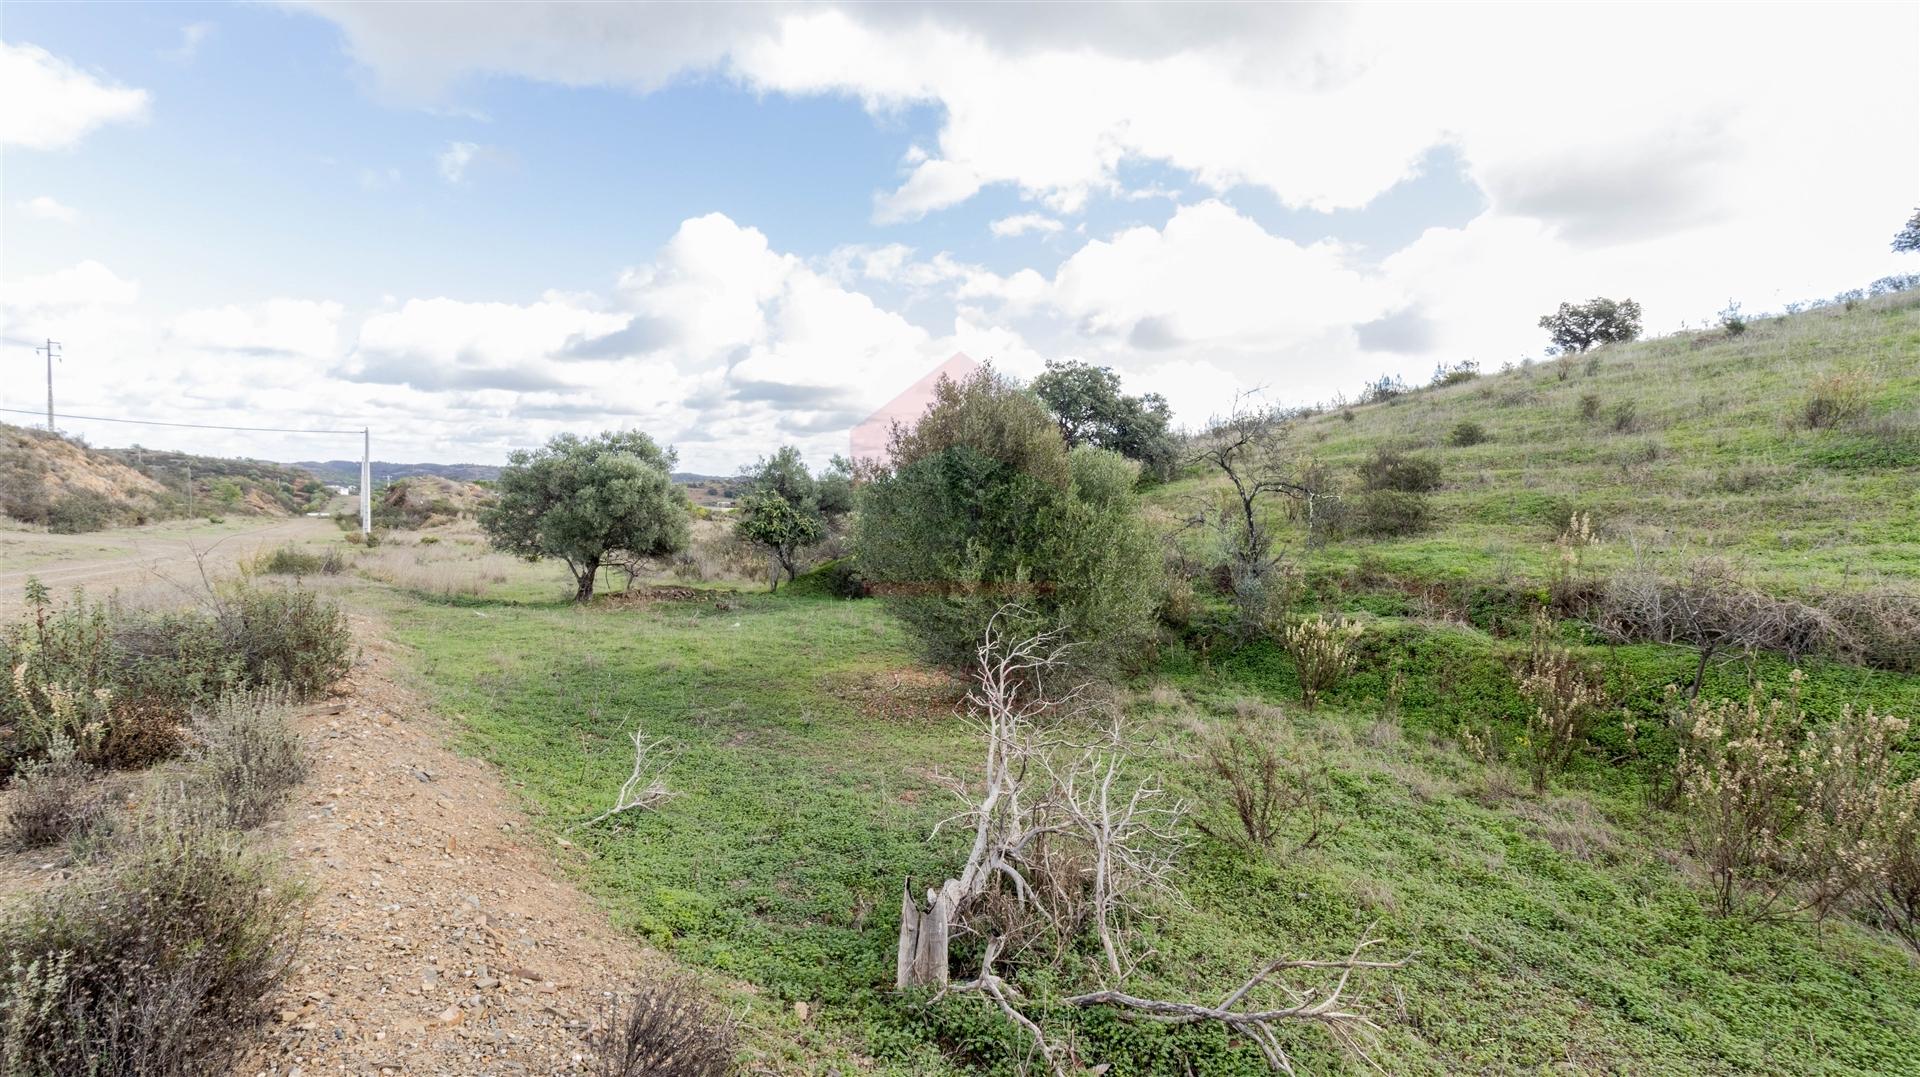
column 85, row 284
column 455, row 159
column 51, row 104
column 934, row 184
column 48, row 208
column 1021, row 223
column 286, row 328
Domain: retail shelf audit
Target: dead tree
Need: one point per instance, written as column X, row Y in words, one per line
column 1247, row 446
column 1052, row 780
column 644, row 788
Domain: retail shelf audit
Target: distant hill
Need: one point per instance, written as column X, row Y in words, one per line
column 1789, row 450
column 347, row 472
column 69, row 486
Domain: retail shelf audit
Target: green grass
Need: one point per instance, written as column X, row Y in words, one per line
column 1715, row 464
column 1549, row 933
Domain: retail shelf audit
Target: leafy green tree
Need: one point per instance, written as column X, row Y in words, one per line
column 787, row 508
column 781, row 526
column 1575, row 327
column 1087, row 403
column 582, row 500
column 1908, row 238
column 982, row 505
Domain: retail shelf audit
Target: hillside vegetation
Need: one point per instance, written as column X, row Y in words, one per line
column 1558, row 892
column 1792, row 448
column 68, row 486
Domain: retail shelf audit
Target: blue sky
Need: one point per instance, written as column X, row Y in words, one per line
column 474, row 226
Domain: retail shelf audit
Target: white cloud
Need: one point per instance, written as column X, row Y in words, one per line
column 192, row 36
column 87, row 284
column 51, row 104
column 453, row 160
column 934, row 184
column 48, row 208
column 1021, row 223
column 290, row 328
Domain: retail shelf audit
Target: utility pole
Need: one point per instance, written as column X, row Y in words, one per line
column 52, row 351
column 366, row 481
column 189, row 488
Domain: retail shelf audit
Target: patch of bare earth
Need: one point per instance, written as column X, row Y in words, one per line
column 442, row 938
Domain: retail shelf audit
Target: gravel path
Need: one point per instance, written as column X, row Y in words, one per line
column 442, row 937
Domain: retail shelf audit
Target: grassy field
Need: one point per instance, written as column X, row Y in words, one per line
column 1549, row 932
column 1564, row 932
column 1715, row 458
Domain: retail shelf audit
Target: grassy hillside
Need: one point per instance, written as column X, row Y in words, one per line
column 1691, row 444
column 69, row 486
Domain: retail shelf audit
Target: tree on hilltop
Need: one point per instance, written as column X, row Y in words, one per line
column 1575, row 327
column 1908, row 238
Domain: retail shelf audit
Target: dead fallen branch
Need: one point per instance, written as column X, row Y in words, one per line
column 644, row 789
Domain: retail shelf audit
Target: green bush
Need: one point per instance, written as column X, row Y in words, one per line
column 80, row 512
column 986, row 507
column 1391, row 469
column 290, row 560
column 1466, row 433
column 119, row 683
column 158, row 964
column 1392, row 513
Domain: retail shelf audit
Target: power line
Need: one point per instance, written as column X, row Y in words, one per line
column 190, row 426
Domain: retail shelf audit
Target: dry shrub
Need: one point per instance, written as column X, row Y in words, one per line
column 1392, row 469
column 1713, row 611
column 1565, row 694
column 1323, row 652
column 1883, row 625
column 245, row 757
column 1788, row 820
column 1269, row 777
column 290, row 560
column 1836, row 400
column 52, row 798
column 664, row 1030
column 158, row 965
column 1893, row 895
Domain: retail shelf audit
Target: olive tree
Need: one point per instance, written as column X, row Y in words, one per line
column 584, row 500
column 1575, row 327
column 788, row 508
column 981, row 502
column 1090, row 409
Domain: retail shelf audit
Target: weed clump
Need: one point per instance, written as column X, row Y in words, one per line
column 1391, row 469
column 1836, row 400
column 158, row 965
column 664, row 1030
column 53, row 798
column 1323, row 652
column 290, row 560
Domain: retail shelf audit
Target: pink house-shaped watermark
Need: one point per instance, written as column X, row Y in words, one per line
column 869, row 439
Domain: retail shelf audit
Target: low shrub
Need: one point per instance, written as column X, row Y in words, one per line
column 81, row 511
column 1625, row 417
column 1893, row 895
column 52, row 798
column 1323, row 653
column 1391, row 469
column 244, row 757
column 1466, row 433
column 1589, row 406
column 290, row 560
column 1836, row 400
column 119, row 683
column 1391, row 513
column 1565, row 695
column 159, row 964
column 664, row 1030
column 1268, row 778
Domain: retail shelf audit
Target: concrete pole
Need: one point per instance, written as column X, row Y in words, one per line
column 366, row 481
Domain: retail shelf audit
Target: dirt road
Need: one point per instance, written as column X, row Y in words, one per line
column 158, row 560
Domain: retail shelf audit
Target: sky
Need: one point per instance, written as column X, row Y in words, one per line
column 471, row 227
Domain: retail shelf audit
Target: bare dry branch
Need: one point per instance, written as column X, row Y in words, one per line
column 644, row 788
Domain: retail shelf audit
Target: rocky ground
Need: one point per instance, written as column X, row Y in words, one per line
column 442, row 938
